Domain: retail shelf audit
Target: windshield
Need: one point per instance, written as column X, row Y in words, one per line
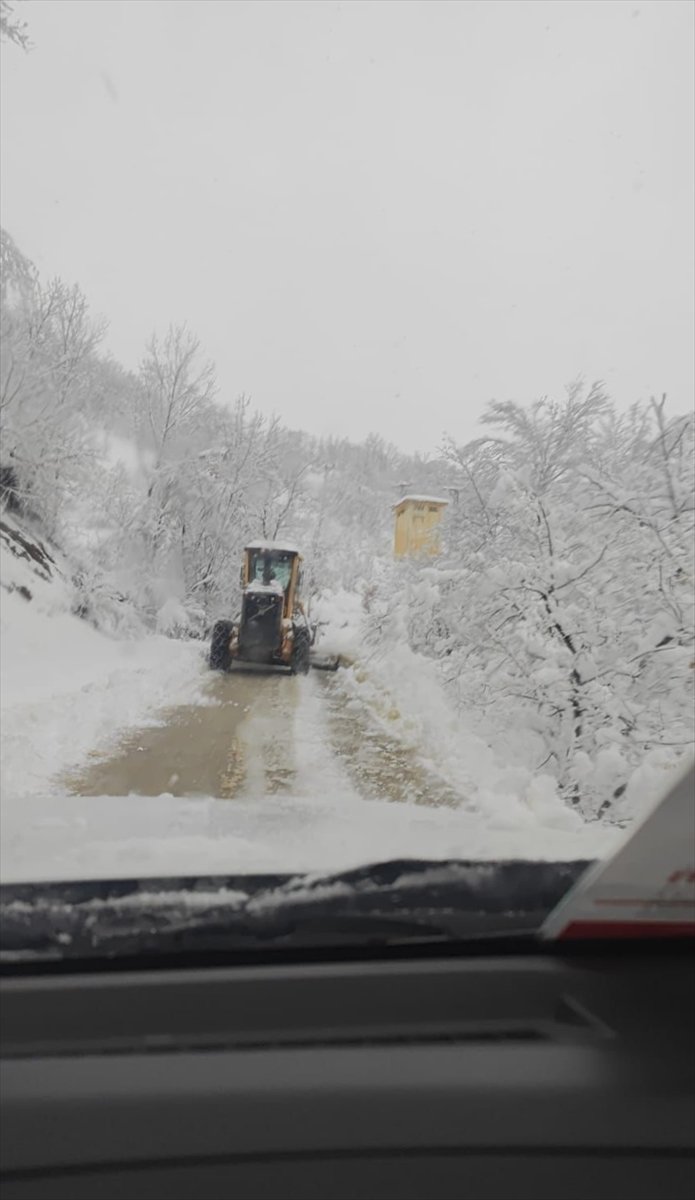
column 274, row 567
column 388, row 305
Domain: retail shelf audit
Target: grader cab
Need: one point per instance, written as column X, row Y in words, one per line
column 272, row 627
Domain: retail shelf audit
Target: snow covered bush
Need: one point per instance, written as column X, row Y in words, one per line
column 97, row 600
column 180, row 621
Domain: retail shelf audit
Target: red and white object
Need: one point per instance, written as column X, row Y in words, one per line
column 647, row 889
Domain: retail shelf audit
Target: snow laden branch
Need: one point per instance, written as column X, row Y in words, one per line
column 175, row 386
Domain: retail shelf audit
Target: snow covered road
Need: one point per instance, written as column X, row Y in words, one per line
column 129, row 757
column 252, row 773
column 256, row 735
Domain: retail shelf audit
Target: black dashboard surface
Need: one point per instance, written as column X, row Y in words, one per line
column 509, row 1076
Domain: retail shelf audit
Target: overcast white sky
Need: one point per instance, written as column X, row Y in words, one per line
column 375, row 215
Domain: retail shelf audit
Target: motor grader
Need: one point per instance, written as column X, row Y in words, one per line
column 272, row 627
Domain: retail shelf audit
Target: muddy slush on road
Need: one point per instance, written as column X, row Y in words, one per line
column 243, row 743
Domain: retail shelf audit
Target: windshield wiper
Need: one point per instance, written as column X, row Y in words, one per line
column 386, row 903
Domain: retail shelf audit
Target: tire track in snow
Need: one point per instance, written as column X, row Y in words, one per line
column 380, row 766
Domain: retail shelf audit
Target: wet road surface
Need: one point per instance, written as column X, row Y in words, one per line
column 244, row 743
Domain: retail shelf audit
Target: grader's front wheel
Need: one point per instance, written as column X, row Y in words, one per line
column 220, row 654
column 300, row 661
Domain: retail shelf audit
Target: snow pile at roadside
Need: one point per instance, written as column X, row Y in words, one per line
column 404, row 694
column 66, row 688
column 402, row 691
column 339, row 615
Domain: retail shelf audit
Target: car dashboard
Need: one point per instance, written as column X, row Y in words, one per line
column 523, row 1073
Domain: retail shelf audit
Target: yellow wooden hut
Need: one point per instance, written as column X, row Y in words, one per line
column 417, row 525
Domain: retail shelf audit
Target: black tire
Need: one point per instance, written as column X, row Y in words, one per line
column 220, row 656
column 300, row 662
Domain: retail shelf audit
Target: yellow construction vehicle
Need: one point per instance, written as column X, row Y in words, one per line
column 272, row 627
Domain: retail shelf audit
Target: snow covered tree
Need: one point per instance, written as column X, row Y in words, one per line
column 176, row 393
column 561, row 614
column 49, row 353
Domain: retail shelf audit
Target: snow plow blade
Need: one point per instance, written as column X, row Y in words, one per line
column 325, row 662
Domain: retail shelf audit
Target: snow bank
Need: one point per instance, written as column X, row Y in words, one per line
column 66, row 688
column 403, row 692
column 340, row 616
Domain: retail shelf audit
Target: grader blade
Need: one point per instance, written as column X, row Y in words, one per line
column 325, row 662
